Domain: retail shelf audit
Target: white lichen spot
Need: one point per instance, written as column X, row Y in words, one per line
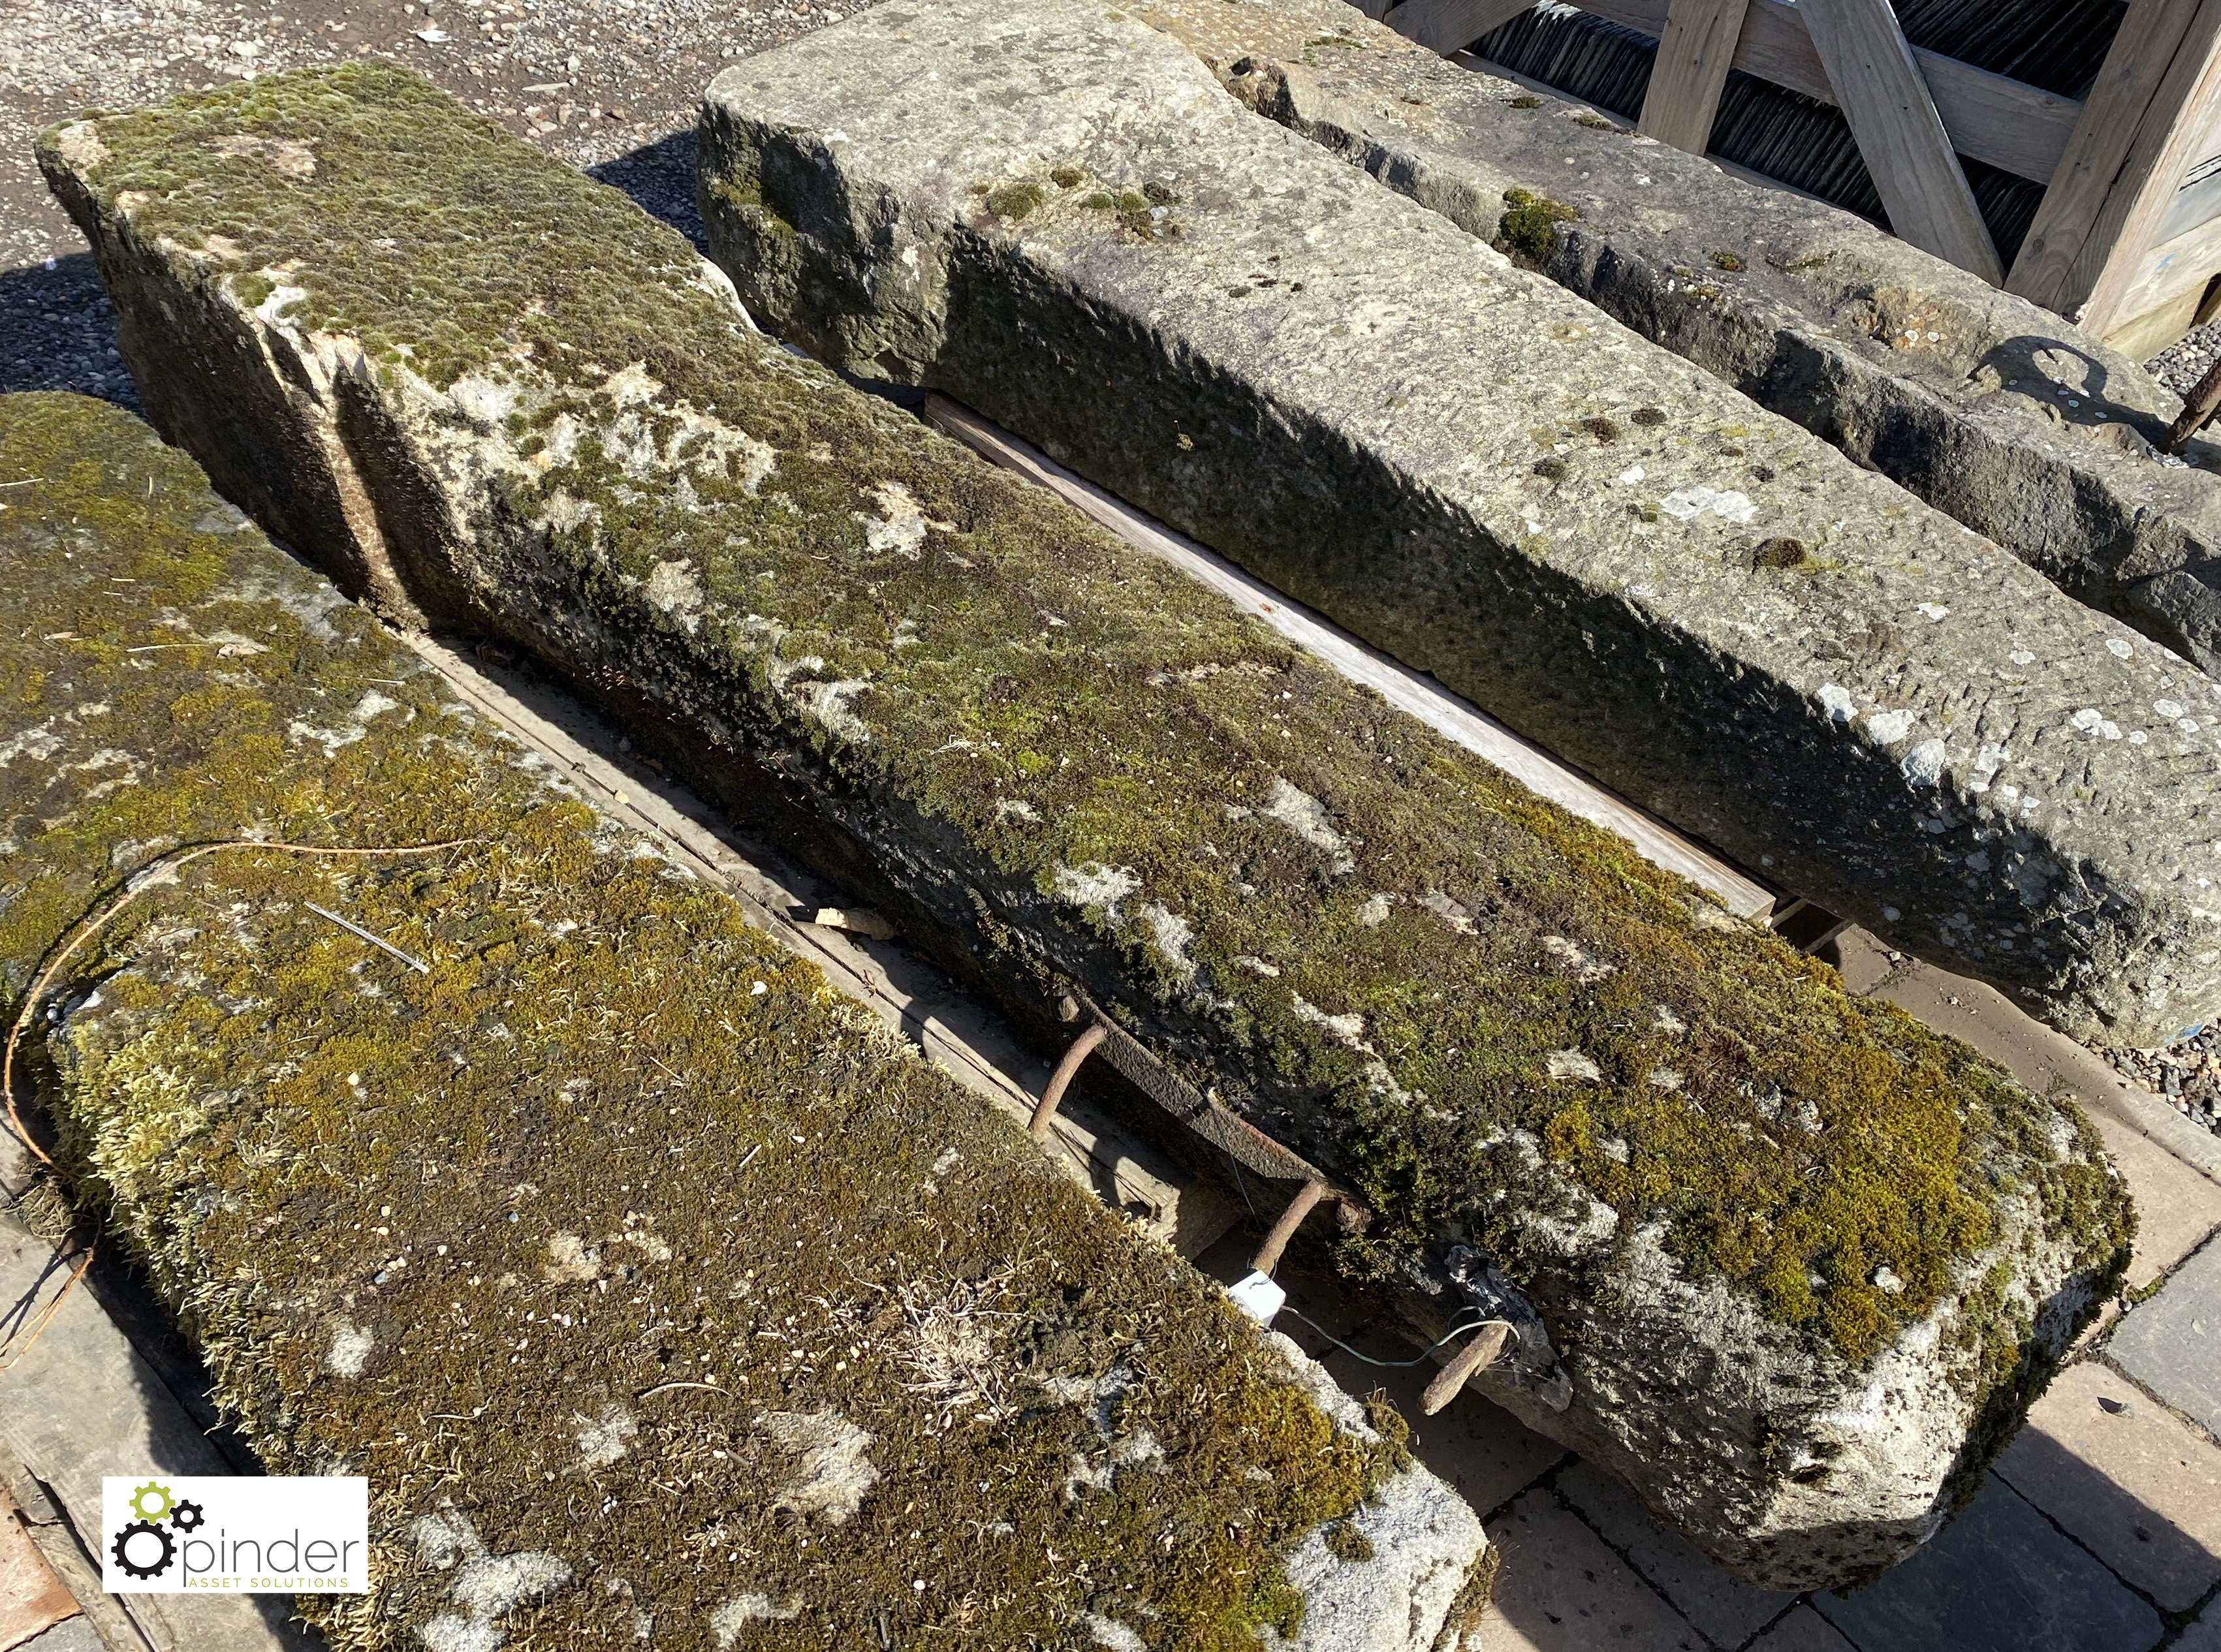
column 1836, row 700
column 564, row 512
column 1452, row 912
column 2171, row 710
column 900, row 528
column 485, row 402
column 1687, row 504
column 1015, row 809
column 2091, row 721
column 632, row 386
column 673, row 588
column 445, row 1538
column 572, row 1258
column 1571, row 955
column 1667, row 1022
column 832, row 1475
column 1573, row 1064
column 331, row 739
column 1886, row 1281
column 1172, row 935
column 1257, row 965
column 282, row 297
column 1348, row 1030
column 1887, row 727
column 829, row 704
column 350, row 1350
column 731, row 1620
column 1096, row 885
column 1662, row 1078
column 604, row 1439
column 1923, row 765
column 449, row 1633
column 2021, row 657
column 1374, row 912
column 1631, row 476
column 488, row 1585
column 1109, row 1632
column 2118, row 648
column 287, row 156
column 1304, row 816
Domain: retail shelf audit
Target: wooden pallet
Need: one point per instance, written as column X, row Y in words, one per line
column 2127, row 242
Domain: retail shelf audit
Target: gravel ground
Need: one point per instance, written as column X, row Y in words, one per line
column 2184, row 362
column 2188, row 1075
column 609, row 86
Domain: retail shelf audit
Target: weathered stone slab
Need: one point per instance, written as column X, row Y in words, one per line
column 2172, row 1344
column 2000, row 1578
column 661, row 1293
column 1991, row 408
column 1061, row 219
column 1787, row 1263
column 2134, row 1484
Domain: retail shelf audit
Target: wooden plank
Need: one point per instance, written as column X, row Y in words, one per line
column 2140, row 129
column 1447, row 25
column 2168, row 271
column 1694, row 49
column 1447, row 714
column 1908, row 154
column 1992, row 118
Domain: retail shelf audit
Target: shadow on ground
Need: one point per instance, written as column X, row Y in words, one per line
column 58, row 332
column 660, row 177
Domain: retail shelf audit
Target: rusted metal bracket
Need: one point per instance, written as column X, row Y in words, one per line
column 1222, row 1128
column 1473, row 1358
column 1060, row 1081
column 1269, row 1253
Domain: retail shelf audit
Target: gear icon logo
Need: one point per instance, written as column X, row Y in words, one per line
column 121, row 1548
column 188, row 1516
column 156, row 1494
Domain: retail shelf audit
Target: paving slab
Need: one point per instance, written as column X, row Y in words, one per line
column 1721, row 1605
column 1560, row 1589
column 2205, row 1635
column 1315, row 934
column 1993, row 409
column 526, row 1177
column 1801, row 1631
column 1999, row 1578
column 1698, row 601
column 2136, row 1487
column 80, row 1404
column 2172, row 1344
column 78, row 1635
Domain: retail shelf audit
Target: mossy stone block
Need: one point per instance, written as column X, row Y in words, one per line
column 1369, row 405
column 1724, row 1201
column 660, row 1292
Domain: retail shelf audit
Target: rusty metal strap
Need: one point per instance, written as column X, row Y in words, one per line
column 1222, row 1127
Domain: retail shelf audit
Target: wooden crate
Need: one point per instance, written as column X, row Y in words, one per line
column 2127, row 242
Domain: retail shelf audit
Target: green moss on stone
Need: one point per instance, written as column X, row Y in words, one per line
column 1015, row 201
column 1529, row 225
column 613, row 1140
column 1369, row 940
